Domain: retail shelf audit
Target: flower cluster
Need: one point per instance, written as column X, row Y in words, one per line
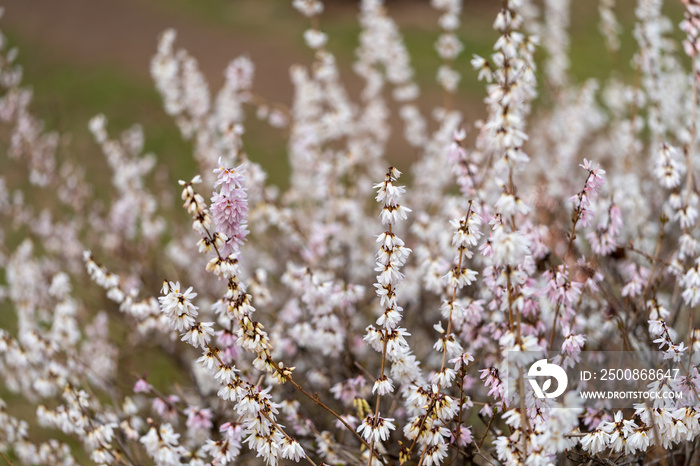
column 229, row 208
column 691, row 26
column 509, row 254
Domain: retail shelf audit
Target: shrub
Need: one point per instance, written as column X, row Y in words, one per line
column 316, row 325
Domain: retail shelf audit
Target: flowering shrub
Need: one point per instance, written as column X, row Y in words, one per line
column 315, row 325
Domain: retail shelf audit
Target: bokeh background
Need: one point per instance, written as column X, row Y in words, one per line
column 84, row 57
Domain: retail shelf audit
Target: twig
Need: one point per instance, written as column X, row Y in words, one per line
column 336, row 415
column 6, row 459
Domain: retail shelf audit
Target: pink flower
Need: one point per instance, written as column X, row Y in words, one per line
column 166, row 408
column 230, row 207
column 141, row 386
column 463, row 437
column 198, row 419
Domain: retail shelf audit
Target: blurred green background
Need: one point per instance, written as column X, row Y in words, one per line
column 84, row 57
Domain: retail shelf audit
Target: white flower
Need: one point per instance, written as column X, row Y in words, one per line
column 656, row 327
column 691, row 282
column 572, row 342
column 389, row 274
column 199, row 334
column 383, row 386
column 376, row 429
column 509, row 204
column 389, row 240
column 228, row 392
column 448, row 78
column 292, row 450
column 177, row 302
column 508, row 248
column 308, row 7
column 209, row 358
column 182, row 322
column 386, row 295
column 675, row 352
column 595, row 442
column 101, row 456
column 669, row 167
column 390, row 318
column 449, row 21
column 444, row 378
column 435, row 454
column 686, row 215
column 388, row 193
column 639, row 440
column 315, row 39
column 226, row 374
column 691, row 296
column 466, row 231
column 448, row 46
column 249, row 406
column 459, row 278
column 482, row 66
column 373, row 338
column 392, row 214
